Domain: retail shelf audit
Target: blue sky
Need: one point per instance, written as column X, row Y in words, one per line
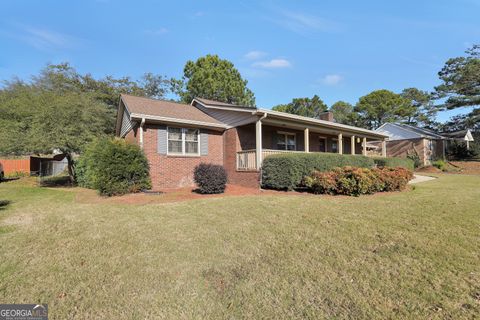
column 339, row 50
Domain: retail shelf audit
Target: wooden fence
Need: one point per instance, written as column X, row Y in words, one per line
column 15, row 165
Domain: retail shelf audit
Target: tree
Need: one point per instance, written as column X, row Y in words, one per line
column 213, row 78
column 63, row 78
column 381, row 106
column 61, row 109
column 470, row 121
column 40, row 121
column 304, row 107
column 343, row 113
column 422, row 110
column 460, row 81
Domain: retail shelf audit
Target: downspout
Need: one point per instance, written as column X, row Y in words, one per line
column 141, row 132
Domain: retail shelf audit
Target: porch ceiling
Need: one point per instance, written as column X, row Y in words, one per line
column 319, row 128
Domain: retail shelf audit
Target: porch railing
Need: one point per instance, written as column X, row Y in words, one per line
column 246, row 159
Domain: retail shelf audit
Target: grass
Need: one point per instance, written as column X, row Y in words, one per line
column 411, row 255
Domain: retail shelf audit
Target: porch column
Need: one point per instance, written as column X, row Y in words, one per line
column 352, row 144
column 306, row 139
column 340, row 143
column 384, row 148
column 258, row 143
column 364, row 151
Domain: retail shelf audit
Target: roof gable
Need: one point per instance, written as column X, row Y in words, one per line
column 398, row 131
column 140, row 107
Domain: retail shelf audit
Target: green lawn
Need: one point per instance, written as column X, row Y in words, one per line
column 413, row 255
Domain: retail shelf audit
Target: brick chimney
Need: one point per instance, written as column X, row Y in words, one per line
column 327, row 116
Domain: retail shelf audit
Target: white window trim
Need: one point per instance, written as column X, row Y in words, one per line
column 285, row 133
column 183, row 154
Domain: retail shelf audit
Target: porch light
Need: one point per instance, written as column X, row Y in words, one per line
column 358, row 140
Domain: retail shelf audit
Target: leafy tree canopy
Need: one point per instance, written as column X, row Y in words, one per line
column 307, row 107
column 422, row 111
column 460, row 81
column 217, row 79
column 62, row 109
column 343, row 113
column 63, row 78
column 470, row 121
column 381, row 106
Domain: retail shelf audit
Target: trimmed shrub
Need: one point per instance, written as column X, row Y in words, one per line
column 394, row 162
column 210, row 178
column 440, row 164
column 393, row 179
column 113, row 167
column 286, row 171
column 357, row 181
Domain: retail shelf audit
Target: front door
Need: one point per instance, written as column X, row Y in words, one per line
column 322, row 143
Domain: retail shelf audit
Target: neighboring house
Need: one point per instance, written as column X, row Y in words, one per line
column 176, row 137
column 42, row 165
column 462, row 135
column 407, row 140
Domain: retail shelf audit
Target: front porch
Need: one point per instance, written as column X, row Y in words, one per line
column 272, row 137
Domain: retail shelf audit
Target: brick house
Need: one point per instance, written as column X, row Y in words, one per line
column 176, row 137
column 405, row 140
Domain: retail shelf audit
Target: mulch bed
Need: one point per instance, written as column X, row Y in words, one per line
column 467, row 167
column 172, row 195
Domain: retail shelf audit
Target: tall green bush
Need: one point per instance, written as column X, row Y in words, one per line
column 394, row 162
column 113, row 167
column 286, row 171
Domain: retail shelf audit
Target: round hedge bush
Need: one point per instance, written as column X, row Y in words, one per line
column 113, row 167
column 210, row 178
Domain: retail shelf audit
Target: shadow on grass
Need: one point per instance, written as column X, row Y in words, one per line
column 57, row 181
column 9, row 179
column 4, row 204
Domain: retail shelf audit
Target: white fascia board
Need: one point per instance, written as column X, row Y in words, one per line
column 209, row 106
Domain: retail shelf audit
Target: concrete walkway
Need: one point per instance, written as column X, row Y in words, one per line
column 419, row 178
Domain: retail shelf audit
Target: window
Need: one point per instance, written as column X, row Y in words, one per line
column 183, row 141
column 335, row 146
column 286, row 141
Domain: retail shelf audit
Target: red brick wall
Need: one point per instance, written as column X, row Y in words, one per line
column 177, row 171
column 401, row 148
column 132, row 136
column 237, row 139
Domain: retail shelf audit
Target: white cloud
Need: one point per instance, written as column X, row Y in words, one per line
column 199, row 14
column 332, row 79
column 41, row 38
column 157, row 32
column 304, row 23
column 273, row 64
column 255, row 55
